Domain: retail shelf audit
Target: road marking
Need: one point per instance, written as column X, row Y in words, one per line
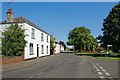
column 96, row 67
column 110, row 78
column 40, row 73
column 100, row 73
column 102, row 77
column 98, row 70
column 107, row 74
column 101, row 67
column 104, row 70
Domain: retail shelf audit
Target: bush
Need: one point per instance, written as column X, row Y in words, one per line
column 13, row 42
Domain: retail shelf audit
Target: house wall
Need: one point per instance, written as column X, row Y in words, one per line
column 57, row 48
column 62, row 48
column 36, row 41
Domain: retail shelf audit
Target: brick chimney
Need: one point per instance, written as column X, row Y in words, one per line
column 9, row 15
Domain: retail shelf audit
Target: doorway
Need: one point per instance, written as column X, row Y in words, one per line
column 37, row 50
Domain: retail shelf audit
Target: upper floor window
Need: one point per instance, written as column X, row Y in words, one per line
column 31, row 49
column 33, row 34
column 42, row 37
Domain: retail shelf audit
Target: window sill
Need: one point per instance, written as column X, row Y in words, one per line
column 32, row 38
column 31, row 53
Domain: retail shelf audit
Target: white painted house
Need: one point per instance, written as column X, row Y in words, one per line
column 38, row 41
column 58, row 48
column 61, row 48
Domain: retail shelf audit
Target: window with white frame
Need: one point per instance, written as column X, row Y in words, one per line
column 33, row 33
column 42, row 49
column 42, row 37
column 31, row 49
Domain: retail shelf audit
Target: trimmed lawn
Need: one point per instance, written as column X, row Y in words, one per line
column 109, row 58
column 98, row 56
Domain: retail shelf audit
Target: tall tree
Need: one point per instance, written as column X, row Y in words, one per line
column 13, row 42
column 111, row 29
column 82, row 39
column 52, row 41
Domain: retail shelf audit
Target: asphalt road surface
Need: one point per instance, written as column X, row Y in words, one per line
column 63, row 65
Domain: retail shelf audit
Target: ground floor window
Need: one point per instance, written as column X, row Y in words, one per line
column 42, row 49
column 31, row 49
column 47, row 49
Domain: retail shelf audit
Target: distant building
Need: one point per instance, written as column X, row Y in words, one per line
column 38, row 41
column 62, row 48
column 58, row 48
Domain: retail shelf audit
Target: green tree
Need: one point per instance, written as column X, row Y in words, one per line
column 111, row 29
column 81, row 39
column 13, row 42
column 52, row 42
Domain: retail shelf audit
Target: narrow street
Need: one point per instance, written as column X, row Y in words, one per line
column 63, row 65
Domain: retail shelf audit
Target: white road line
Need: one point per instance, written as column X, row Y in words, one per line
column 98, row 70
column 110, row 77
column 104, row 70
column 100, row 73
column 96, row 67
column 40, row 73
column 107, row 74
column 102, row 77
column 101, row 67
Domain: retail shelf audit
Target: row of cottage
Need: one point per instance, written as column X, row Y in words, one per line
column 38, row 40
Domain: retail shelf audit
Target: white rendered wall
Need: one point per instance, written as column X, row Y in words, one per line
column 62, row 48
column 57, row 48
column 35, row 41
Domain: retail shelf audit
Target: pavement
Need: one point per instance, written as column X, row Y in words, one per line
column 63, row 65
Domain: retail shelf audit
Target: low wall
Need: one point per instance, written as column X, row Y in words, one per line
column 7, row 60
column 52, row 52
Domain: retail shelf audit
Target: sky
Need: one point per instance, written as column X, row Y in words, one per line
column 58, row 18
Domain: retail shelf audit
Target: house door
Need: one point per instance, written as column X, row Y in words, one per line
column 37, row 50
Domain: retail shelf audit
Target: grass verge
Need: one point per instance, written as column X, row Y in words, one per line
column 109, row 58
column 98, row 56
